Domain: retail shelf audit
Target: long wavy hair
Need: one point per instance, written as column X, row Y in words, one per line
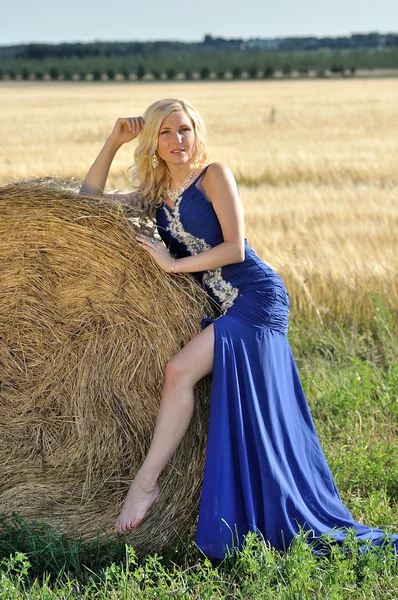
column 152, row 183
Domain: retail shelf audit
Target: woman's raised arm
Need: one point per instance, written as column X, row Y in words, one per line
column 124, row 131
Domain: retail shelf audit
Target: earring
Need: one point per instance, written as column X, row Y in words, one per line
column 155, row 162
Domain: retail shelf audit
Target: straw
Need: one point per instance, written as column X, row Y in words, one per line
column 88, row 322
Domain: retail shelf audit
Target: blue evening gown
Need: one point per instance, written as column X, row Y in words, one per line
column 265, row 470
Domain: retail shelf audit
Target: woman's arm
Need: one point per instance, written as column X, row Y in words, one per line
column 124, row 131
column 220, row 188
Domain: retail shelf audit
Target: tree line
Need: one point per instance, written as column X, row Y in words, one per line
column 186, row 65
column 35, row 51
column 141, row 73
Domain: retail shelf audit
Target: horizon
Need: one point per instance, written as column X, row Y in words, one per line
column 198, row 41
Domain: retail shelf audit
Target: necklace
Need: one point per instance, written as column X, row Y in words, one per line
column 174, row 195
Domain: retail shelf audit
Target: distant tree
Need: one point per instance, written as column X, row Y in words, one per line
column 1, row 74
column 67, row 74
column 337, row 68
column 39, row 75
column 204, row 73
column 125, row 72
column 353, row 69
column 38, row 51
column 171, row 73
column 25, row 73
column 54, row 73
column 252, row 72
column 221, row 74
column 188, row 74
column 268, row 72
column 141, row 71
column 303, row 70
column 156, row 73
column 111, row 74
column 287, row 69
column 236, row 72
column 97, row 74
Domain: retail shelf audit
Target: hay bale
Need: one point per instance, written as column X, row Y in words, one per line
column 88, row 323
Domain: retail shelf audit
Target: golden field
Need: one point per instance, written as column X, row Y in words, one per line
column 316, row 163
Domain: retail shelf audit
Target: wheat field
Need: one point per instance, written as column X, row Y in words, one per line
column 316, row 162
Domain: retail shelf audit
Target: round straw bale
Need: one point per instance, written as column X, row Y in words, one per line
column 87, row 324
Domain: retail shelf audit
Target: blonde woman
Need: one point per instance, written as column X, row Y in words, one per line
column 265, row 470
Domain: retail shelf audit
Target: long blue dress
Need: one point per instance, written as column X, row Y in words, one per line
column 265, row 470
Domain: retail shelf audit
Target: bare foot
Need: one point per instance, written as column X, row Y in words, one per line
column 138, row 501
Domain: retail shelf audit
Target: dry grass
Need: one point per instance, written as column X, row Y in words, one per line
column 88, row 323
column 335, row 246
column 324, row 131
column 319, row 184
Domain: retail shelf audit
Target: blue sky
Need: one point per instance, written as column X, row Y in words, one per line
column 86, row 20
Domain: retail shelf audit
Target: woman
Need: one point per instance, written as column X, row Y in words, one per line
column 265, row 470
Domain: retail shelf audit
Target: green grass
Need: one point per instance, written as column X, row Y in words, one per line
column 350, row 376
column 256, row 572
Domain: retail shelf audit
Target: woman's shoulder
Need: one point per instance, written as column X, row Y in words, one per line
column 218, row 184
column 218, row 173
column 216, row 168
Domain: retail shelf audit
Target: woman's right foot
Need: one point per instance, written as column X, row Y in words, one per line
column 138, row 501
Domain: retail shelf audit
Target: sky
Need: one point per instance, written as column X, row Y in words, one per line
column 25, row 21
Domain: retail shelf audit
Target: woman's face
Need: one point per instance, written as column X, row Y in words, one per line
column 176, row 142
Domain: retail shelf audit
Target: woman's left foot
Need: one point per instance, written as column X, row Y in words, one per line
column 138, row 501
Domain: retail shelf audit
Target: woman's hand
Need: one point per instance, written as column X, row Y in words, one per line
column 158, row 251
column 126, row 130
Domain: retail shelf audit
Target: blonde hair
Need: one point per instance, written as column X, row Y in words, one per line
column 152, row 183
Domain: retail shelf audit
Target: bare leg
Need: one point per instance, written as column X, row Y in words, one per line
column 185, row 369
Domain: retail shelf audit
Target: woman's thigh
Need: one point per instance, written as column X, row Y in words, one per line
column 195, row 360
